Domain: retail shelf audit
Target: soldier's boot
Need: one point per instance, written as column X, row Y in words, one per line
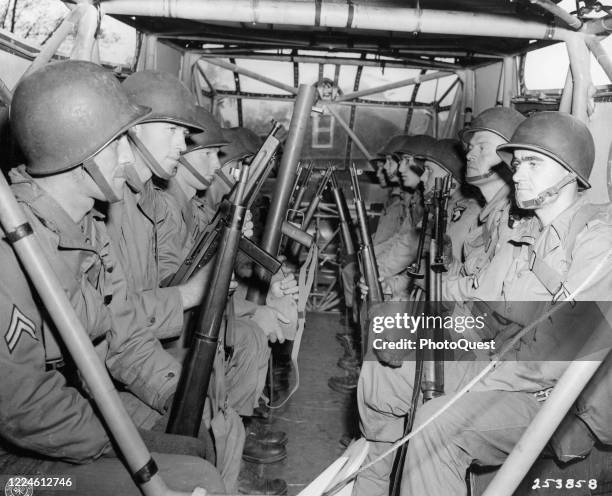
column 350, row 359
column 262, row 434
column 346, row 384
column 256, row 451
column 251, row 483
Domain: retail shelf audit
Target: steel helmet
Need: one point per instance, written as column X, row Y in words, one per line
column 418, row 146
column 66, row 112
column 243, row 143
column 389, row 147
column 502, row 121
column 212, row 135
column 170, row 99
column 559, row 136
column 447, row 154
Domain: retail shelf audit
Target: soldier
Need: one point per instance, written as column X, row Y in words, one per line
column 436, row 158
column 557, row 254
column 490, row 129
column 69, row 119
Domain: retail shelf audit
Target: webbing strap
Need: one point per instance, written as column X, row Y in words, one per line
column 305, row 281
column 552, row 279
column 94, row 171
column 192, row 170
column 133, row 179
column 149, row 159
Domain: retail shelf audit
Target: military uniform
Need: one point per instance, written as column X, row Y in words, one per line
column 149, row 252
column 41, row 413
column 501, row 406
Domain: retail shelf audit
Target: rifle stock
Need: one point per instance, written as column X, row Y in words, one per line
column 186, row 412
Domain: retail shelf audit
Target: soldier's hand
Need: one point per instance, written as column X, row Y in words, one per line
column 233, row 284
column 247, row 227
column 363, row 288
column 268, row 319
column 192, row 291
column 285, row 287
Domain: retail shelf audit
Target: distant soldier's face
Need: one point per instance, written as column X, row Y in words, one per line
column 206, row 162
column 533, row 173
column 482, row 155
column 391, row 166
column 111, row 161
column 165, row 141
column 410, row 179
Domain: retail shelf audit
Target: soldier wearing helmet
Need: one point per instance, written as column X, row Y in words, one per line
column 559, row 254
column 490, row 129
column 70, row 119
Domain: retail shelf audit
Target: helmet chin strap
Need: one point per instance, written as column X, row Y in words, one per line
column 94, row 171
column 192, row 170
column 149, row 159
column 133, row 179
column 547, row 193
column 479, row 178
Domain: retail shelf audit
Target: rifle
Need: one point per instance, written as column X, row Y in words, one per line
column 367, row 259
column 301, row 185
column 206, row 245
column 433, row 361
column 344, row 219
column 312, row 208
column 429, row 372
column 188, row 405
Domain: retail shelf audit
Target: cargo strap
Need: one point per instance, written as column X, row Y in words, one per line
column 305, row 282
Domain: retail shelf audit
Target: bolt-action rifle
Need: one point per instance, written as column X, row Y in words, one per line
column 186, row 412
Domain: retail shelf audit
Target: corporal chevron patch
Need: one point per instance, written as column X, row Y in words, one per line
column 19, row 324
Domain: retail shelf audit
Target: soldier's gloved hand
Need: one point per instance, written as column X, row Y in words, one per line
column 247, row 227
column 448, row 249
column 268, row 319
column 288, row 286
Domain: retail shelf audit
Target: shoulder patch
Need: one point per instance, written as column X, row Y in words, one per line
column 19, row 324
column 457, row 213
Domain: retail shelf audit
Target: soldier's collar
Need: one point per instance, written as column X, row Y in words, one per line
column 498, row 202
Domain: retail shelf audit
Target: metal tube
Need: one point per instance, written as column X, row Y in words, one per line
column 559, row 13
column 252, row 75
column 396, row 84
column 284, row 183
column 350, row 132
column 579, row 63
column 508, row 81
column 601, row 26
column 77, row 341
column 469, row 90
column 50, row 47
column 565, row 104
column 601, row 56
column 305, row 59
column 542, row 427
column 85, row 38
column 451, row 121
column 340, row 15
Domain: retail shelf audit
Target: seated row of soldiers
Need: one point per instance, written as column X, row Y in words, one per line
column 119, row 181
column 531, row 240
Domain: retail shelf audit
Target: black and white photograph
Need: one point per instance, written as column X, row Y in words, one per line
column 306, row 247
